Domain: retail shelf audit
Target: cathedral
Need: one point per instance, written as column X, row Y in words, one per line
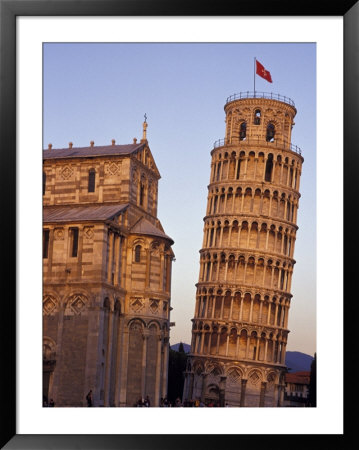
column 240, row 324
column 106, row 276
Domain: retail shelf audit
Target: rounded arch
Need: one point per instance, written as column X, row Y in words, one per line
column 136, row 323
column 154, row 323
column 48, row 348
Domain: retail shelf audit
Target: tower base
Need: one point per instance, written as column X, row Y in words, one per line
column 222, row 382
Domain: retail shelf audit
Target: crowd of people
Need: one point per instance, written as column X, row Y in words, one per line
column 48, row 403
column 164, row 402
column 145, row 402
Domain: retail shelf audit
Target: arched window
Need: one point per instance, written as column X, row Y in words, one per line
column 138, row 253
column 257, row 117
column 270, row 132
column 142, row 193
column 43, row 183
column 242, row 131
column 269, row 168
column 92, row 176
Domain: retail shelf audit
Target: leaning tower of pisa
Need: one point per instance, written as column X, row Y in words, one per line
column 240, row 324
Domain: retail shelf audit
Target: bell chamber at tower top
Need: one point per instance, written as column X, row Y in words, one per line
column 258, row 118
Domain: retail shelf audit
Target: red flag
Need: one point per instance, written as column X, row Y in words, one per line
column 262, row 72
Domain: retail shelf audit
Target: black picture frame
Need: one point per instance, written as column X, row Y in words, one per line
column 9, row 10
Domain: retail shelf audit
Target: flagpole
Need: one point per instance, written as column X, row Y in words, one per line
column 254, row 76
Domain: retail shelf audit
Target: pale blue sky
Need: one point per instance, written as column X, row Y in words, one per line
column 102, row 91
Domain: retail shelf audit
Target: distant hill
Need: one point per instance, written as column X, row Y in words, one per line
column 295, row 361
column 186, row 347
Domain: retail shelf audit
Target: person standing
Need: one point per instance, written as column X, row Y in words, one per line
column 89, row 398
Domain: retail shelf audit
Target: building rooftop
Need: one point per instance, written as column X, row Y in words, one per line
column 143, row 226
column 70, row 213
column 82, row 152
column 298, row 377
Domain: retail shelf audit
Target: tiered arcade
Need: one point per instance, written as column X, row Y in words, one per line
column 240, row 325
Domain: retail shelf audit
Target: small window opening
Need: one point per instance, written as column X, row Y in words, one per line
column 142, row 194
column 257, row 117
column 45, row 244
column 74, row 241
column 138, row 253
column 242, row 131
column 43, row 183
column 91, row 184
column 270, row 133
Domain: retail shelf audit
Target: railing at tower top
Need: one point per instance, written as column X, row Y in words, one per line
column 256, row 94
column 277, row 143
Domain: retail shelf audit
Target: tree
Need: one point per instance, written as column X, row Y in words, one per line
column 313, row 382
column 176, row 367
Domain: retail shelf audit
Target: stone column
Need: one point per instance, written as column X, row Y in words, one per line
column 202, row 342
column 190, row 387
column 255, row 167
column 247, row 346
column 264, row 171
column 227, row 343
column 260, row 310
column 243, row 393
column 276, row 314
column 231, row 308
column 109, row 357
column 262, row 394
column 237, row 346
column 269, row 312
column 165, row 367
column 251, row 309
column 222, row 306
column 257, row 349
column 245, row 167
column 158, row 371
column 241, row 309
column 221, row 172
column 110, row 255
column 122, row 388
column 245, row 271
column 218, row 338
column 236, row 169
column 56, row 376
column 265, row 350
column 272, row 277
column 270, row 205
column 204, row 377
